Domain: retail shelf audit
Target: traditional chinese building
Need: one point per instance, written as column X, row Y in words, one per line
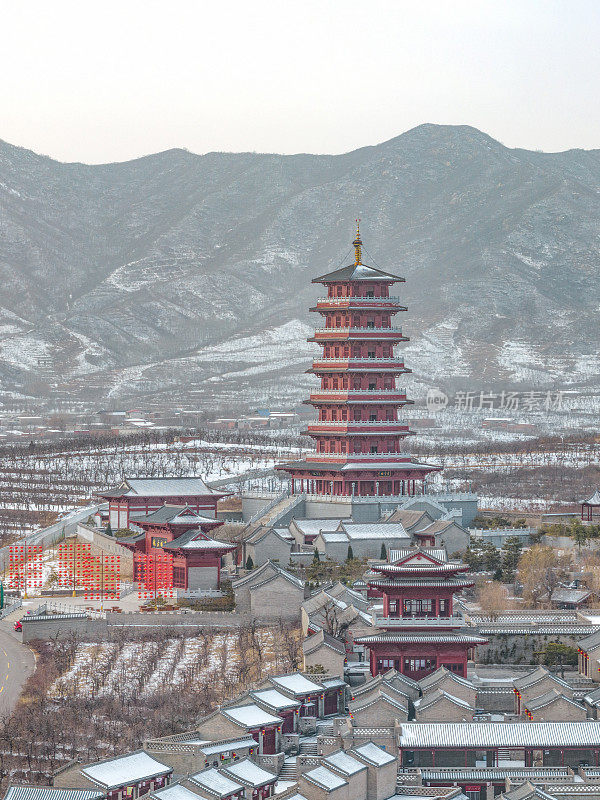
column 590, row 508
column 358, row 433
column 137, row 496
column 418, row 631
column 182, row 533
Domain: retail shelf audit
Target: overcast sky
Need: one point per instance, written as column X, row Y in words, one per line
column 107, row 81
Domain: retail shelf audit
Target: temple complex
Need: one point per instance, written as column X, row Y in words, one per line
column 419, row 631
column 358, row 432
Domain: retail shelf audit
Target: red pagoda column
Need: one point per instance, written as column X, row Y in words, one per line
column 359, row 432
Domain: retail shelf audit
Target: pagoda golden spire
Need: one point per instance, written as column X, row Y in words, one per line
column 357, row 244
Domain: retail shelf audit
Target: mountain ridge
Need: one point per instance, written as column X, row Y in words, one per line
column 119, row 279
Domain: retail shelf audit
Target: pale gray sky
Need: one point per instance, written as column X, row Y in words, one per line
column 107, row 81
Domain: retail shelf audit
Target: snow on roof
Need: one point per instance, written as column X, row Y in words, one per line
column 344, row 762
column 125, row 770
column 374, row 755
column 499, row 734
column 335, row 538
column 232, row 744
column 216, row 783
column 51, row 793
column 296, row 683
column 325, row 778
column 376, row 530
column 175, row 792
column 274, row 699
column 436, row 552
column 163, row 487
column 250, row 716
column 549, row 697
column 438, row 694
column 312, row 526
column 538, row 674
column 250, row 773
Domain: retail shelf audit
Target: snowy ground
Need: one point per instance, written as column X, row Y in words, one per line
column 101, row 670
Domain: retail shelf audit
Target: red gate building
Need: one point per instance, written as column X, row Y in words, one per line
column 358, row 432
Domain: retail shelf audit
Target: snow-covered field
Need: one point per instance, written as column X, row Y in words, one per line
column 101, row 670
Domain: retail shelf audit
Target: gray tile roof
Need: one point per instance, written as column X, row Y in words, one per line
column 357, row 272
column 550, row 697
column 161, row 487
column 51, row 793
column 498, row 734
column 538, row 675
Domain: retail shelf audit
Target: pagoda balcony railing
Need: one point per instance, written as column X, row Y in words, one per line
column 357, row 392
column 366, row 300
column 361, row 329
column 364, row 456
column 362, row 423
column 358, row 360
column 420, row 621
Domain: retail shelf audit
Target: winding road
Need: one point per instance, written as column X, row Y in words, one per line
column 17, row 663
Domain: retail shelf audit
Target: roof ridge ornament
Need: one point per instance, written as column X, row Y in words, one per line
column 357, row 245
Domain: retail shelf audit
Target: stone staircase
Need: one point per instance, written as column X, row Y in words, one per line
column 309, row 749
column 325, row 730
column 289, row 771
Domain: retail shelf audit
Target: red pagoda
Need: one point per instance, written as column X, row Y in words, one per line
column 419, row 632
column 358, row 432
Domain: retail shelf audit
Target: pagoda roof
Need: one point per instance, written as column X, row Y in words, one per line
column 357, row 272
column 196, row 540
column 420, row 637
column 338, row 466
column 172, row 515
column 419, row 562
column 161, row 487
column 433, row 582
column 434, row 569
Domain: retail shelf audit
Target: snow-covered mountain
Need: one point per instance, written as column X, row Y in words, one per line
column 180, row 276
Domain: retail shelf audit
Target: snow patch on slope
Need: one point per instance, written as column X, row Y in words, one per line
column 435, row 353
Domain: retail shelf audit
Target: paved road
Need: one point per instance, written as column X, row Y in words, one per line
column 17, row 663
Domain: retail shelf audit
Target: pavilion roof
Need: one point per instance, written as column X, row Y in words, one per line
column 173, row 515
column 161, row 487
column 196, row 540
column 594, row 500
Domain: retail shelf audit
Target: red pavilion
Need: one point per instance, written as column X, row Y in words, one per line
column 419, row 632
column 358, row 432
column 181, row 532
